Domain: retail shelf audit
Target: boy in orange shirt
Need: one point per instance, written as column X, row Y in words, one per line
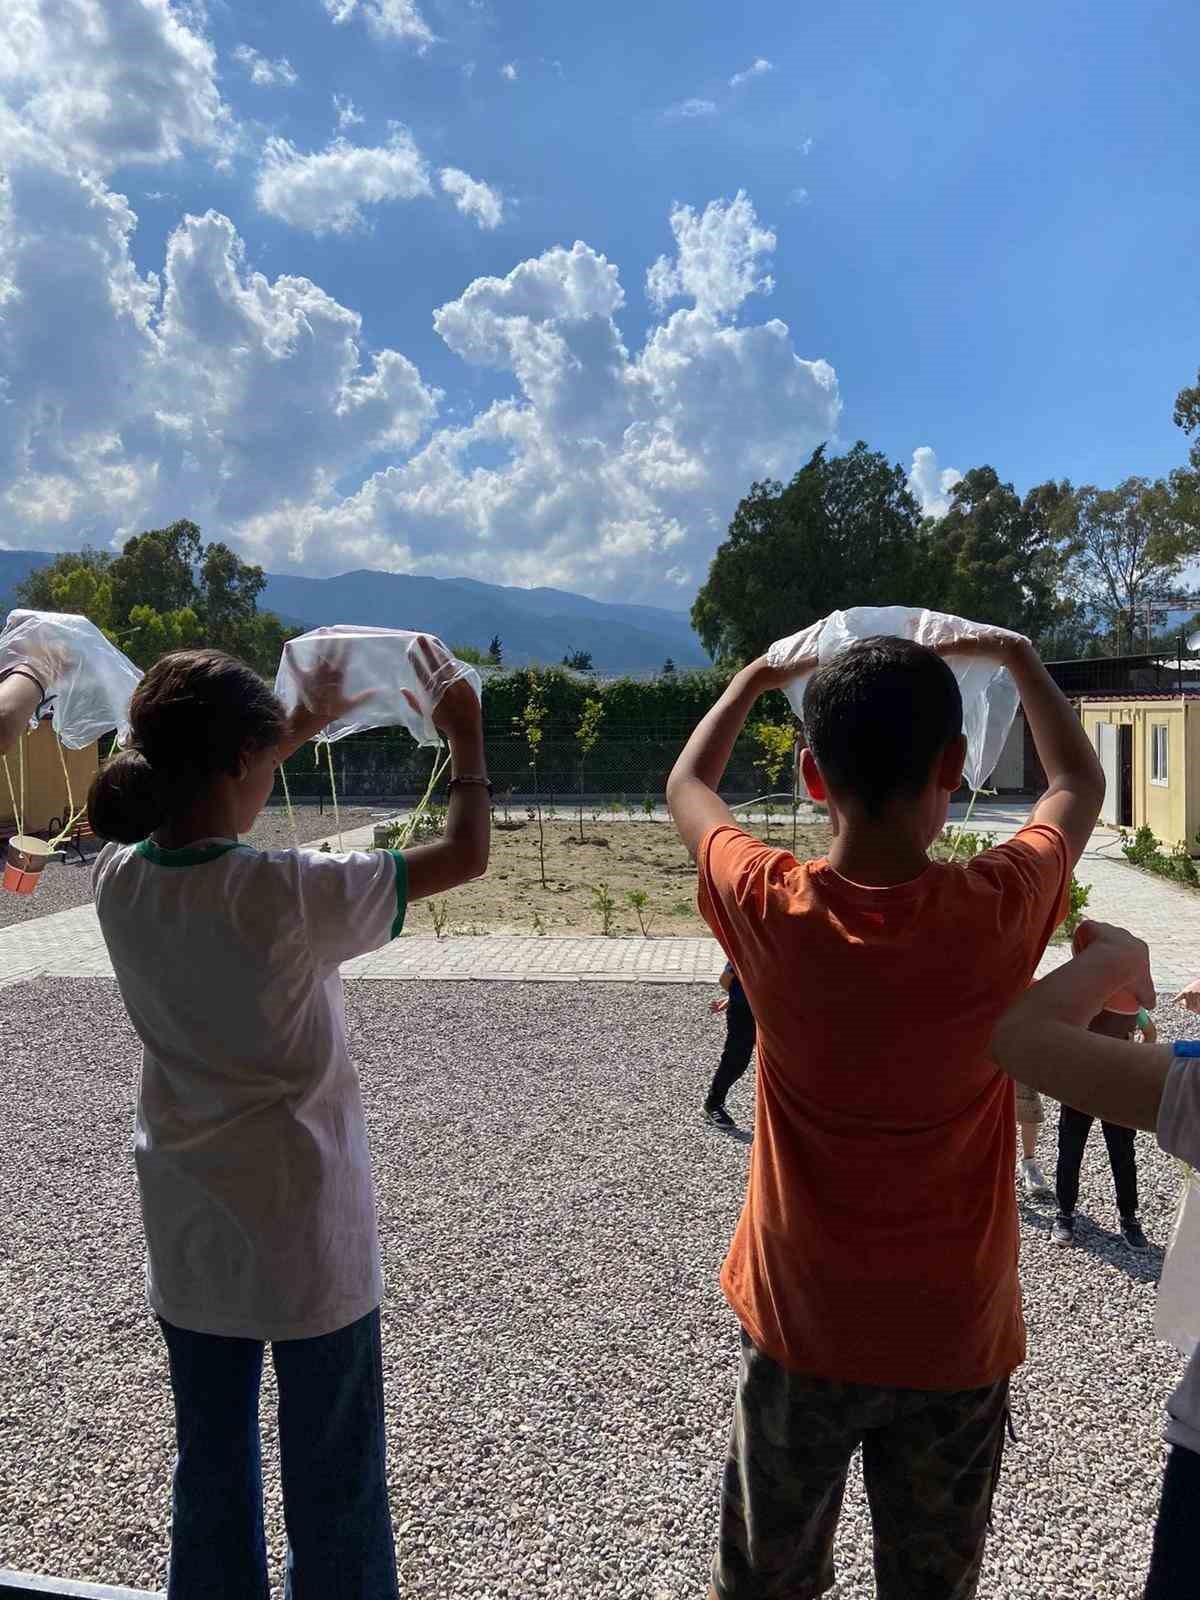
column 874, row 1267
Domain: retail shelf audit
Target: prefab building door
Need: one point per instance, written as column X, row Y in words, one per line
column 1107, row 750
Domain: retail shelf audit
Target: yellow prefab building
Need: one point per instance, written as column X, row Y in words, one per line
column 45, row 795
column 1149, row 747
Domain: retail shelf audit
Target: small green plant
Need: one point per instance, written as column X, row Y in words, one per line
column 539, row 924
column 682, row 908
column 1080, row 894
column 961, row 844
column 777, row 742
column 1145, row 850
column 586, row 736
column 597, row 813
column 604, row 906
column 649, row 804
column 628, row 807
column 530, row 722
column 640, row 900
column 439, row 913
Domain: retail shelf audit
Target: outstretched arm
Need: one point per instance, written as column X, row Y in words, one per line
column 21, row 693
column 1044, row 1041
column 695, row 806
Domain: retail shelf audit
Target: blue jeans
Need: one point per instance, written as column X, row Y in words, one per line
column 332, row 1460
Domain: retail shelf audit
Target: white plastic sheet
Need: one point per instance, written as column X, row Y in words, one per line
column 1177, row 1309
column 990, row 698
column 374, row 660
column 90, row 681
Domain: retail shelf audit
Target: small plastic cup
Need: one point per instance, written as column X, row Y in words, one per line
column 24, row 862
column 1124, row 1003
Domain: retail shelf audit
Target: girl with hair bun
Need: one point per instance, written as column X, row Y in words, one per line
column 250, row 1143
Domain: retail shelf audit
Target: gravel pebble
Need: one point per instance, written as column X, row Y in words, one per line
column 559, row 1362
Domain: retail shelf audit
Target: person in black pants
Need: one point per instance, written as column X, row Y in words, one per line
column 1073, row 1129
column 740, row 1034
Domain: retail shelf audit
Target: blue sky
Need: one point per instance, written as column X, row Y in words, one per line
column 985, row 224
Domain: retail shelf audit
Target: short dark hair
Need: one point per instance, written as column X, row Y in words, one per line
column 879, row 716
column 192, row 716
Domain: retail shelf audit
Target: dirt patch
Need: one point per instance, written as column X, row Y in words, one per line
column 628, row 857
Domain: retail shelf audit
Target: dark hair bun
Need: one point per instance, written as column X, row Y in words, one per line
column 128, row 800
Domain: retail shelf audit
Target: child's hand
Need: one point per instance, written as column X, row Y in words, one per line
column 455, row 711
column 717, row 1006
column 323, row 697
column 993, row 644
column 1130, row 959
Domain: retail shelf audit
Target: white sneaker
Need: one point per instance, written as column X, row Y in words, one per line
column 1035, row 1183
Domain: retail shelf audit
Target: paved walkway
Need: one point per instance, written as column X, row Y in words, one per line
column 68, row 943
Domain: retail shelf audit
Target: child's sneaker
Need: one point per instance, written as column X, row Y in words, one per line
column 719, row 1118
column 1063, row 1232
column 1132, row 1235
column 1035, row 1183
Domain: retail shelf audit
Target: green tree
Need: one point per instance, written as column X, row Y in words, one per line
column 470, row 654
column 587, row 735
column 668, row 668
column 495, row 651
column 166, row 590
column 578, row 660
column 1185, row 481
column 845, row 531
column 36, row 592
column 1131, row 543
column 1000, row 559
column 530, row 723
column 85, row 592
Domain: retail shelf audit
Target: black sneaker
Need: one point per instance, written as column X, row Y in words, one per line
column 1063, row 1232
column 1131, row 1233
column 720, row 1118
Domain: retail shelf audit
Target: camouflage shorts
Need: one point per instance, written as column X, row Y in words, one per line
column 931, row 1462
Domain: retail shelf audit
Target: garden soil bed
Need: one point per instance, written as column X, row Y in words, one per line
column 627, row 856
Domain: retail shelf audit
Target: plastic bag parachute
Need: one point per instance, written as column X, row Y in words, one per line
column 990, row 698
column 88, row 681
column 379, row 664
column 88, row 686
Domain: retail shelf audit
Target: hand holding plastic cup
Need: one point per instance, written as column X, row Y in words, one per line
column 1125, row 1001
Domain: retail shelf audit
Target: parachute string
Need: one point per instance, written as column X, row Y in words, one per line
column 17, row 805
column 287, row 800
column 73, row 816
column 337, row 820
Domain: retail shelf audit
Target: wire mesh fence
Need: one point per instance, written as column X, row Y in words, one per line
column 625, row 769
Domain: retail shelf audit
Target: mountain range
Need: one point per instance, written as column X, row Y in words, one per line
column 534, row 625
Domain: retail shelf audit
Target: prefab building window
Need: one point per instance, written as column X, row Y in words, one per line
column 1159, row 754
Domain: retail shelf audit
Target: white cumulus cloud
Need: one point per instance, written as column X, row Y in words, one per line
column 931, row 485
column 756, row 69
column 112, row 82
column 257, row 404
column 325, row 191
column 717, row 257
column 262, row 70
column 347, row 113
column 473, row 197
column 386, row 19
column 686, row 109
column 509, row 71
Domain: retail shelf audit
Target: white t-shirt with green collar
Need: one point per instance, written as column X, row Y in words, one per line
column 250, row 1141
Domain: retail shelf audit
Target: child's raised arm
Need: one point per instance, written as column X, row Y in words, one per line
column 1074, row 776
column 1043, row 1040
column 462, row 852
column 692, row 799
column 21, row 693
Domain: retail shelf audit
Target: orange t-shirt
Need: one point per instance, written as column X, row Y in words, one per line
column 878, row 1242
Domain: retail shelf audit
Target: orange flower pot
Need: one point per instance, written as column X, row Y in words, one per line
column 24, row 861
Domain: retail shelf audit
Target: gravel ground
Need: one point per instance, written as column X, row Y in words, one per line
column 68, row 883
column 559, row 1362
